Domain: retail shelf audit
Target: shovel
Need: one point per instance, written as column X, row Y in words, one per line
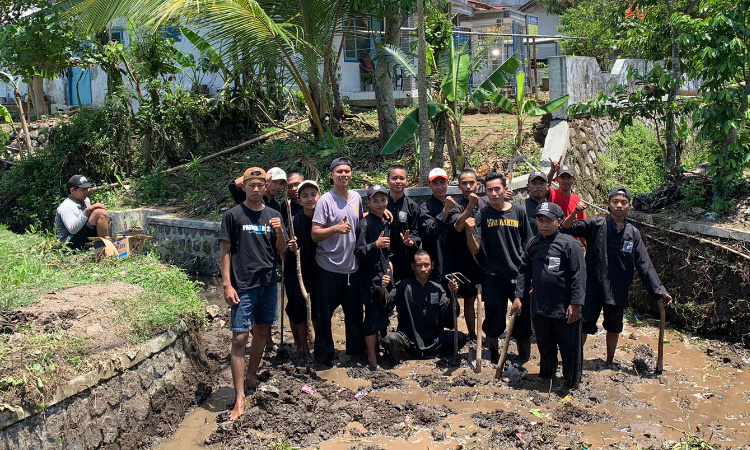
column 504, row 354
column 662, row 319
column 459, row 278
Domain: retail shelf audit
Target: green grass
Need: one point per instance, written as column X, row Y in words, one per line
column 32, row 264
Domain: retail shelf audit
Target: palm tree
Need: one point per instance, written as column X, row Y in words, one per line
column 297, row 36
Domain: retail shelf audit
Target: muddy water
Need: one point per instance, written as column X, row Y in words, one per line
column 697, row 393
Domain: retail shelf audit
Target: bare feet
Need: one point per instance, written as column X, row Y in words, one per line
column 239, row 408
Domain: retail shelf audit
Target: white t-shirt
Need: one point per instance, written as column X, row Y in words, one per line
column 71, row 217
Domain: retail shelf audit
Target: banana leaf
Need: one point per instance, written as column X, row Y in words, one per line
column 408, row 127
column 455, row 85
column 550, row 107
column 495, row 81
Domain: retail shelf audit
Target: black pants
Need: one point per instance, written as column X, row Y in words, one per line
column 401, row 347
column 496, row 292
column 334, row 289
column 296, row 306
column 553, row 334
column 81, row 239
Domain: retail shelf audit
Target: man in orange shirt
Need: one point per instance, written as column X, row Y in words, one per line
column 563, row 196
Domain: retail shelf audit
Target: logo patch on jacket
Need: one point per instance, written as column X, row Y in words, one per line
column 434, row 298
column 554, row 263
column 627, row 246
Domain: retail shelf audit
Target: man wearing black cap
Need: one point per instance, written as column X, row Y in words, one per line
column 615, row 251
column 554, row 266
column 372, row 250
column 77, row 219
column 537, row 186
column 334, row 223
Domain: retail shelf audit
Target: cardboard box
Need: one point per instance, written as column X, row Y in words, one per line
column 121, row 246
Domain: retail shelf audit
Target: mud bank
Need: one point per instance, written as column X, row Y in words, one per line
column 131, row 401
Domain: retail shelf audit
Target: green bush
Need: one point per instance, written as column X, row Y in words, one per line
column 633, row 159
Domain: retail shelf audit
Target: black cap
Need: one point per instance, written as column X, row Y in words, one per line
column 622, row 190
column 378, row 188
column 549, row 209
column 78, row 181
column 537, row 174
column 341, row 161
column 566, row 168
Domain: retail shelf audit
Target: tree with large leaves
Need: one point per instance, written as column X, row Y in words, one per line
column 454, row 90
column 296, row 36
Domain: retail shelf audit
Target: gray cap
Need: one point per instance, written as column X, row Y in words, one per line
column 378, row 188
column 308, row 183
column 549, row 209
column 537, row 174
column 566, row 168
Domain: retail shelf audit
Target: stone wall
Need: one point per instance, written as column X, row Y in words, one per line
column 112, row 411
column 193, row 244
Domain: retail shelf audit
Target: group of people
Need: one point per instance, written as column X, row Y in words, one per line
column 404, row 256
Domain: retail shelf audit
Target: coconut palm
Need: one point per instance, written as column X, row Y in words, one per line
column 296, row 36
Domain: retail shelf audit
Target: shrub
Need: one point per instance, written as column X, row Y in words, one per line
column 633, row 159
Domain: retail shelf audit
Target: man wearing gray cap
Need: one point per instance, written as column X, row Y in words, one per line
column 538, row 187
column 615, row 251
column 334, row 224
column 554, row 266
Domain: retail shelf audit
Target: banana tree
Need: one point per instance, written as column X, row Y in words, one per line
column 524, row 107
column 453, row 95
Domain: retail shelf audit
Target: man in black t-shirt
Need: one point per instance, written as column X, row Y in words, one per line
column 251, row 237
column 501, row 229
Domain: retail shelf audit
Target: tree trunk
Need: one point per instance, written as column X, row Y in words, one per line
column 36, row 93
column 384, row 102
column 671, row 159
column 24, row 124
column 440, row 123
column 424, row 122
column 337, row 114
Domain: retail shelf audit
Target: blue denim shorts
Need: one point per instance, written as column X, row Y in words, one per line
column 257, row 306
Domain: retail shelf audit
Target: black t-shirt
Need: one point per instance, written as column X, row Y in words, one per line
column 503, row 234
column 253, row 242
column 238, row 195
column 530, row 204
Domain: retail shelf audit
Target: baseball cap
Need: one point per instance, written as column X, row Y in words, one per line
column 566, row 168
column 308, row 183
column 341, row 161
column 276, row 173
column 537, row 174
column 622, row 190
column 549, row 209
column 375, row 189
column 255, row 173
column 78, row 181
column 437, row 172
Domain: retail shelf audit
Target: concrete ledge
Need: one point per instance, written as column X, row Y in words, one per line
column 193, row 224
column 695, row 228
column 121, row 221
column 10, row 414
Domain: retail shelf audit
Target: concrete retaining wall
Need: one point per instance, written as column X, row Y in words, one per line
column 106, row 407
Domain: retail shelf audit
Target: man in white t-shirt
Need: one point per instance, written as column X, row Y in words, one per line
column 333, row 228
column 77, row 219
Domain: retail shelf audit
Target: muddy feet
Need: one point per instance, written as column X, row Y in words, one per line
column 239, row 408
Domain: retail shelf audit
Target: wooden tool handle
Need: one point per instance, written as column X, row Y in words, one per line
column 506, row 342
column 478, row 368
column 662, row 319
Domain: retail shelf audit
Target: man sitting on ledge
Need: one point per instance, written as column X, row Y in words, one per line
column 77, row 219
column 424, row 311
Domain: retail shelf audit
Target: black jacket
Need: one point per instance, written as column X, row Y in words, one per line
column 423, row 311
column 554, row 267
column 307, row 248
column 468, row 264
column 434, row 229
column 612, row 258
column 405, row 217
column 373, row 261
